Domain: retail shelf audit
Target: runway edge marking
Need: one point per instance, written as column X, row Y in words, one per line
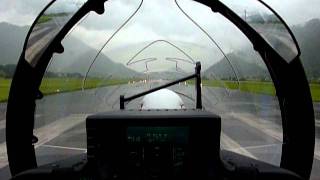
column 254, row 121
column 47, row 133
column 229, row 144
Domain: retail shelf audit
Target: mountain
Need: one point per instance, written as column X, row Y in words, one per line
column 308, row 38
column 78, row 57
column 11, row 42
column 12, row 39
column 242, row 65
column 7, row 70
column 74, row 61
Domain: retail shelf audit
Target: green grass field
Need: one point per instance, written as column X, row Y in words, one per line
column 60, row 85
column 44, row 19
column 48, row 17
column 315, row 91
column 4, row 89
column 258, row 87
column 246, row 86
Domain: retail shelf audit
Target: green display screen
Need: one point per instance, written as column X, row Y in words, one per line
column 174, row 135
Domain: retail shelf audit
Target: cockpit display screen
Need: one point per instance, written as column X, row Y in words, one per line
column 158, row 135
column 155, row 144
column 159, row 150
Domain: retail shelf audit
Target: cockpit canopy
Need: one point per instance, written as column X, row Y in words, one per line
column 151, row 40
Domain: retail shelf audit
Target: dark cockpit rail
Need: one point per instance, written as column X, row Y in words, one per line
column 288, row 76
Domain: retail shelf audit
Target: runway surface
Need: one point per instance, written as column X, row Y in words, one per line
column 251, row 123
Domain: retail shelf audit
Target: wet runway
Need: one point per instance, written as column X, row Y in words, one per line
column 251, row 123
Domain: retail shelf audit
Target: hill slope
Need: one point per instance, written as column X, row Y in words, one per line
column 76, row 58
column 308, row 38
column 12, row 39
column 243, row 67
column 11, row 42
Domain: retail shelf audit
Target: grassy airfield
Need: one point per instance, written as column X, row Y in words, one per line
column 60, row 85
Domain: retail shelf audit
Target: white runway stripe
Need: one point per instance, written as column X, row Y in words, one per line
column 3, row 155
column 63, row 147
column 38, row 31
column 269, row 128
column 229, row 144
column 33, row 49
column 2, row 124
column 260, row 146
column 47, row 133
column 54, row 129
column 317, row 123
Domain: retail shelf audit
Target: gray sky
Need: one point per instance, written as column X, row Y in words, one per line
column 20, row 12
column 159, row 19
column 23, row 12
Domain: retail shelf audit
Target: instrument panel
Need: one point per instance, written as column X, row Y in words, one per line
column 157, row 151
column 156, row 144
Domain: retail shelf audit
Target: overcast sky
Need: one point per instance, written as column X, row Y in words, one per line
column 23, row 12
column 158, row 19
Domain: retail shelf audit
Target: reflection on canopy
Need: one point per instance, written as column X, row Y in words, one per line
column 47, row 27
column 178, row 54
column 267, row 24
column 191, row 60
column 134, row 47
